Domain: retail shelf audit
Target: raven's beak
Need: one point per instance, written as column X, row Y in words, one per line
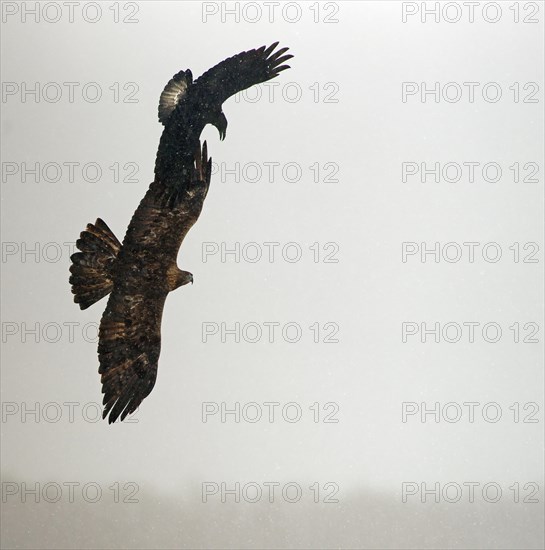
column 221, row 125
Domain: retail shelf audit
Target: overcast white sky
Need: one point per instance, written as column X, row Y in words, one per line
column 336, row 133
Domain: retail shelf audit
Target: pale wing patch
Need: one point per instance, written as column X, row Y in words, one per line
column 172, row 94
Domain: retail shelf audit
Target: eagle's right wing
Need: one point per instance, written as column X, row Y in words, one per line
column 242, row 71
column 128, row 349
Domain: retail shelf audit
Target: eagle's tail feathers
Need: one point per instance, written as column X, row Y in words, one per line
column 91, row 268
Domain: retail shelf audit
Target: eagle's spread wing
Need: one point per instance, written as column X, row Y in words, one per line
column 129, row 347
column 130, row 329
column 242, row 71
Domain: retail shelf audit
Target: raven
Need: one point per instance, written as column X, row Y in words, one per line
column 186, row 107
column 140, row 273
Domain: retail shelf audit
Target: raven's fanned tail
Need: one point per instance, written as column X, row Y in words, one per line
column 91, row 268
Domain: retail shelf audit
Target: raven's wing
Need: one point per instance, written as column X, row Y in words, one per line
column 128, row 350
column 173, row 93
column 242, row 71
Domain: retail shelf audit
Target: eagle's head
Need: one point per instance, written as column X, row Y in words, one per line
column 177, row 278
column 185, row 277
column 220, row 122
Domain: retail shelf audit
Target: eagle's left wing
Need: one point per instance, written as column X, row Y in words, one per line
column 128, row 349
column 242, row 71
column 130, row 329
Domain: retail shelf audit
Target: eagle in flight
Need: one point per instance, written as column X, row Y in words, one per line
column 140, row 272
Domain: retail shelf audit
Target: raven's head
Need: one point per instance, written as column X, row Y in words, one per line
column 220, row 122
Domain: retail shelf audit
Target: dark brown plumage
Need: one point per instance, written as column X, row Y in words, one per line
column 141, row 272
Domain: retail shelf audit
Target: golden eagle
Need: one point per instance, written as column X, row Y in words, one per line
column 141, row 272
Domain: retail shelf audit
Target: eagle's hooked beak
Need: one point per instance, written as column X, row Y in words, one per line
column 220, row 123
column 177, row 278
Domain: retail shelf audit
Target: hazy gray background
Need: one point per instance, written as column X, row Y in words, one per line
column 369, row 212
